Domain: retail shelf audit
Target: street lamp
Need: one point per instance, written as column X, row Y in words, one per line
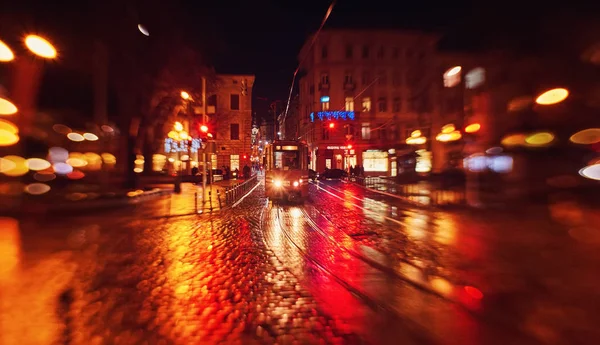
column 185, row 95
column 40, row 46
column 178, row 126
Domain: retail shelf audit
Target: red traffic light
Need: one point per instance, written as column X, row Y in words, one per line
column 204, row 128
column 349, row 146
column 331, row 125
column 244, row 156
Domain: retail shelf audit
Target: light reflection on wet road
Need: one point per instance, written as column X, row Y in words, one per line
column 460, row 277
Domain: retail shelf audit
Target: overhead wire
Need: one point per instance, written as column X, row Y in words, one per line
column 312, row 43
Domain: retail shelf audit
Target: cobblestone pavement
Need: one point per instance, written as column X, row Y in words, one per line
column 182, row 280
column 347, row 267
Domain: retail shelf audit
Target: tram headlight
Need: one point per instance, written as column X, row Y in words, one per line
column 296, row 183
column 277, row 183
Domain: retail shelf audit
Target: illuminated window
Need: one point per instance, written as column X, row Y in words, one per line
column 382, row 105
column 452, row 76
column 366, row 104
column 213, row 161
column 234, row 162
column 375, row 161
column 475, row 78
column 396, row 105
column 328, row 163
column 325, row 106
column 365, row 131
column 349, row 51
column 349, row 104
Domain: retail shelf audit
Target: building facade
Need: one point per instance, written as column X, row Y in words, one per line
column 232, row 120
column 362, row 94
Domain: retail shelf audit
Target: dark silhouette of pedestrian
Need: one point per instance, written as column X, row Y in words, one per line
column 246, row 171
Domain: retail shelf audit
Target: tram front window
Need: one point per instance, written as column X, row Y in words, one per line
column 286, row 160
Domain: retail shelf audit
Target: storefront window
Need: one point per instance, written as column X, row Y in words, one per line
column 327, row 163
column 375, row 161
column 423, row 161
column 234, row 162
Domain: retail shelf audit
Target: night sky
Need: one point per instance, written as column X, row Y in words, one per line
column 263, row 37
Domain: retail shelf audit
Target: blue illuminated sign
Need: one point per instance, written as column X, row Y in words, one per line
column 328, row 115
column 324, row 99
column 181, row 145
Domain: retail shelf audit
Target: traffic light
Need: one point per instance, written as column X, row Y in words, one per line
column 349, row 146
column 204, row 128
column 245, row 156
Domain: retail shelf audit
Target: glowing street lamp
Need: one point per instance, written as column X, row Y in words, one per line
column 185, row 95
column 178, row 126
column 6, row 53
column 40, row 46
column 552, row 96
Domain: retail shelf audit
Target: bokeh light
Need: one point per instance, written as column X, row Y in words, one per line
column 62, row 129
column 143, row 30
column 76, row 162
column 12, row 188
column 138, row 170
column 6, row 165
column 43, row 176
column 58, row 154
column 445, row 137
column 90, row 136
column 494, row 150
column 592, row 172
column 107, row 128
column 473, row 128
column 8, row 126
column 37, row 164
column 75, row 175
column 178, row 126
column 75, row 196
column 552, row 96
column 449, row 128
column 473, row 292
column 6, row 53
column 109, row 158
column 40, row 46
column 7, row 107
column 62, row 168
column 514, row 140
column 586, row 137
column 520, row 103
column 75, row 137
column 539, row 139
column 19, row 167
column 94, row 161
column 37, row 188
column 8, row 138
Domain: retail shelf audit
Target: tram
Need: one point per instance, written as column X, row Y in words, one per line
column 286, row 170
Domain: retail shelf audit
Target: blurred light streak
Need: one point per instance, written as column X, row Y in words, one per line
column 449, row 128
column 37, row 164
column 442, row 286
column 514, row 140
column 6, row 53
column 473, row 292
column 107, row 128
column 445, row 137
column 494, row 150
column 40, row 46
column 586, row 136
column 37, row 188
column 519, row 103
column 7, row 107
column 453, row 71
column 75, row 196
column 552, row 96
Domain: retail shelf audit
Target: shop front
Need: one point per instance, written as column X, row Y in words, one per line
column 333, row 157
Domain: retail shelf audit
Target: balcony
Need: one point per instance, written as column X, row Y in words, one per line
column 323, row 86
column 349, row 86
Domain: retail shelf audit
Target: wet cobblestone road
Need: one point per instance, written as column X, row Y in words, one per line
column 347, row 267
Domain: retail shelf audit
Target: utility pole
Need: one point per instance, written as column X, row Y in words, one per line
column 205, row 146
